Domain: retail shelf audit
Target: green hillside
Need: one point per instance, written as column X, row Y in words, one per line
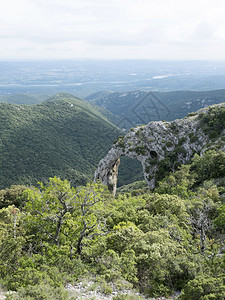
column 22, row 99
column 141, row 107
column 62, row 136
column 63, row 242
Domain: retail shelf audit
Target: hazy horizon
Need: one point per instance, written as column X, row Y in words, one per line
column 170, row 30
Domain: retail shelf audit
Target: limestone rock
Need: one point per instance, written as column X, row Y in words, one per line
column 176, row 142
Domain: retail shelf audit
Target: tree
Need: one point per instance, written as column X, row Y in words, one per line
column 210, row 165
column 62, row 215
column 47, row 209
column 220, row 220
column 12, row 196
column 177, row 183
column 11, row 239
column 204, row 287
column 90, row 214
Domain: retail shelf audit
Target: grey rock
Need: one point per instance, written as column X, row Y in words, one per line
column 154, row 142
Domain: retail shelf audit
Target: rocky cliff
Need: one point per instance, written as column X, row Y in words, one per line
column 165, row 143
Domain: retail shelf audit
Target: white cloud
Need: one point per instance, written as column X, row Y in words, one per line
column 113, row 29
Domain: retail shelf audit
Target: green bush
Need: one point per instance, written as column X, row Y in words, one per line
column 40, row 291
column 106, row 288
column 213, row 122
column 193, row 137
column 32, row 276
column 204, row 288
column 12, row 196
column 169, row 144
column 210, row 165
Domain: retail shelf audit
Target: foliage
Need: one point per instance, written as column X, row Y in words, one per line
column 51, row 138
column 62, row 215
column 176, row 104
column 159, row 242
column 42, row 291
column 12, row 196
column 62, row 136
column 204, row 288
column 130, row 170
column 134, row 188
column 41, row 240
column 214, row 121
column 220, row 220
column 11, row 239
column 210, row 165
column 177, row 183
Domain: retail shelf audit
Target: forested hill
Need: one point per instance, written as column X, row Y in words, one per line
column 62, row 136
column 61, row 242
column 141, row 107
column 22, row 98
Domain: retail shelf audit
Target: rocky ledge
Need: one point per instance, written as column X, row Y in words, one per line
column 165, row 143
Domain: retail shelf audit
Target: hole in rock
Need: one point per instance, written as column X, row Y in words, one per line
column 130, row 170
column 153, row 154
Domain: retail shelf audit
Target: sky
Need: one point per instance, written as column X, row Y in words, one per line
column 115, row 29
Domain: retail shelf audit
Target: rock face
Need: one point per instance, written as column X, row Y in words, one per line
column 170, row 143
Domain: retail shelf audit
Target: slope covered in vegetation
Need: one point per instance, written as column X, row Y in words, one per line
column 63, row 135
column 163, row 241
column 141, row 107
column 27, row 99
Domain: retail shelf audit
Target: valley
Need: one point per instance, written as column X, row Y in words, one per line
column 152, row 230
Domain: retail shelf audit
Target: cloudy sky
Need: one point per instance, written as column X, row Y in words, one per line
column 115, row 29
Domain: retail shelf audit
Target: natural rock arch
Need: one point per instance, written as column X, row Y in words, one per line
column 107, row 171
column 175, row 141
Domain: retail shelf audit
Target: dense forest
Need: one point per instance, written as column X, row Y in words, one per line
column 140, row 107
column 161, row 241
column 63, row 136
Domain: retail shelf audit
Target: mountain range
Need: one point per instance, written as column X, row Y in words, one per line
column 140, row 107
column 67, row 136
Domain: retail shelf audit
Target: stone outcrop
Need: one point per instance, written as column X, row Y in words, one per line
column 172, row 143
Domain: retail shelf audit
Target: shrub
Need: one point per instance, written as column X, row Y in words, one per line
column 213, row 122
column 41, row 291
column 169, row 144
column 106, row 288
column 204, row 288
column 193, row 137
column 12, row 196
column 210, row 165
